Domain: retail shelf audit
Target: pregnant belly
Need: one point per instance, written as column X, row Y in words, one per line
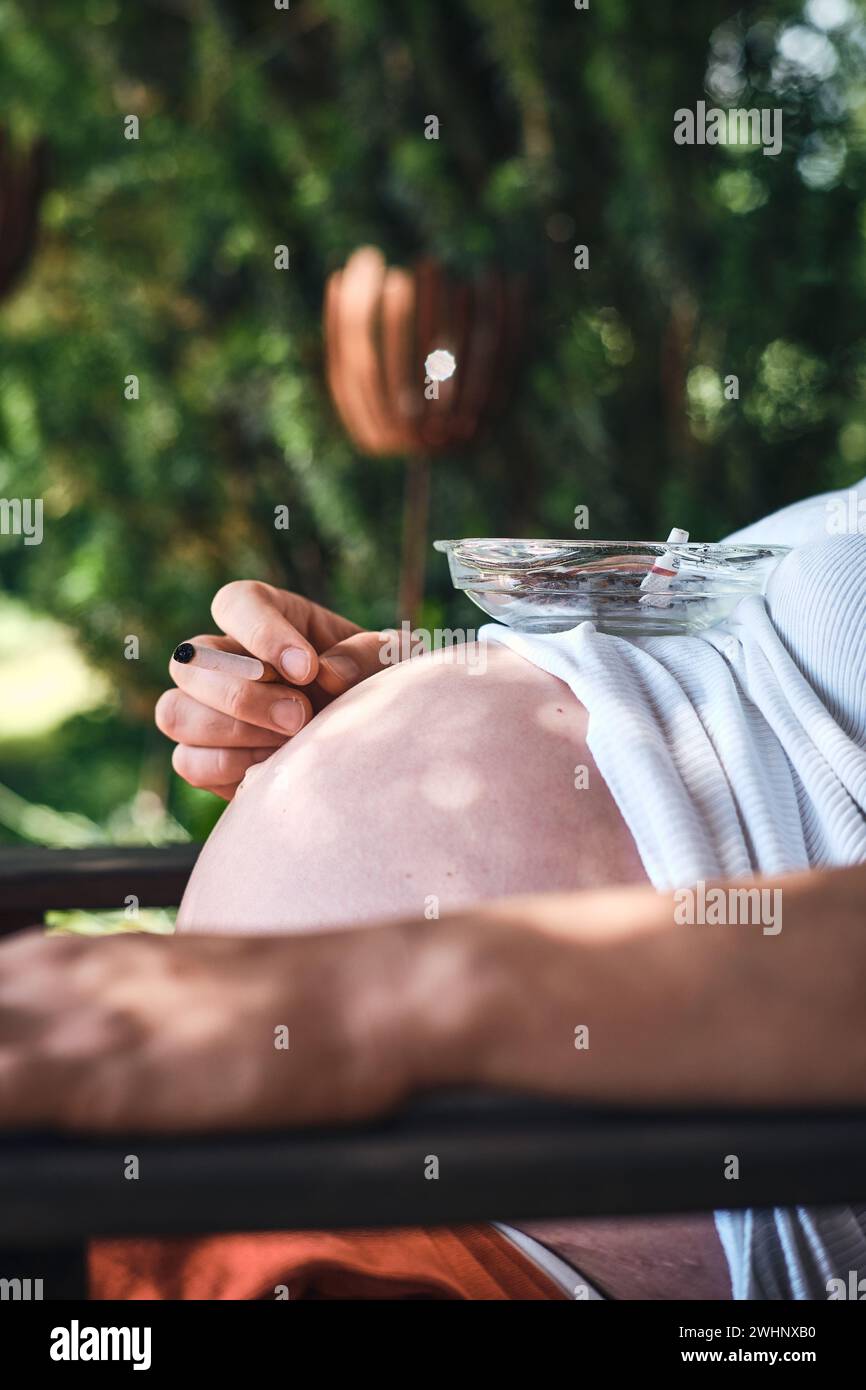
column 429, row 787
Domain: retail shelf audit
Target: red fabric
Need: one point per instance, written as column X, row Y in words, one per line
column 459, row 1262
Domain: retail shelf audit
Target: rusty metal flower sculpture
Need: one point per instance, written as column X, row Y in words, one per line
column 381, row 324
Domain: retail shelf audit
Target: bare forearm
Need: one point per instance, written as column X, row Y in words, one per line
column 203, row 1032
column 604, row 996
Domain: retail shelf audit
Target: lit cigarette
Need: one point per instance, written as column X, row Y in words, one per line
column 249, row 668
column 663, row 572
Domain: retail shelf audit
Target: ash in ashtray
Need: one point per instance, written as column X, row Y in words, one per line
column 581, row 577
column 586, row 579
column 587, row 589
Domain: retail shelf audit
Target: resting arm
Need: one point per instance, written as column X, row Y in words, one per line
column 196, row 1033
column 675, row 1013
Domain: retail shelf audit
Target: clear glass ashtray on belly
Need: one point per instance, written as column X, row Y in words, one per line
column 552, row 585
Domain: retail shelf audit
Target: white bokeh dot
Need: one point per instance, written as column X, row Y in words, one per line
column 440, row 364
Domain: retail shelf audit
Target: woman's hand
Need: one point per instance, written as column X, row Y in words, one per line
column 222, row 724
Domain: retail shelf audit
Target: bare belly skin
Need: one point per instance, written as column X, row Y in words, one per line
column 425, row 789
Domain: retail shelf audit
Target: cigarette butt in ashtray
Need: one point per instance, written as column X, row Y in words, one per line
column 663, row 573
column 248, row 668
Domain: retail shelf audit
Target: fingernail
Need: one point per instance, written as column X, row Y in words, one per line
column 295, row 663
column 289, row 714
column 343, row 667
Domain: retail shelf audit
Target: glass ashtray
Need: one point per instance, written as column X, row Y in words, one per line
column 552, row 585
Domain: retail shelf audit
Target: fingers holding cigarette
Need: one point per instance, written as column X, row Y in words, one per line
column 307, row 645
column 243, row 687
column 252, row 614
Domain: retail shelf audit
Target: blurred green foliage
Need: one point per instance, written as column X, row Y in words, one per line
column 261, row 127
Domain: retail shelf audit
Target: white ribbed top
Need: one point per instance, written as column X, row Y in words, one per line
column 743, row 750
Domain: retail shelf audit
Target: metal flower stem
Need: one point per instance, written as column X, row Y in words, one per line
column 414, row 557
